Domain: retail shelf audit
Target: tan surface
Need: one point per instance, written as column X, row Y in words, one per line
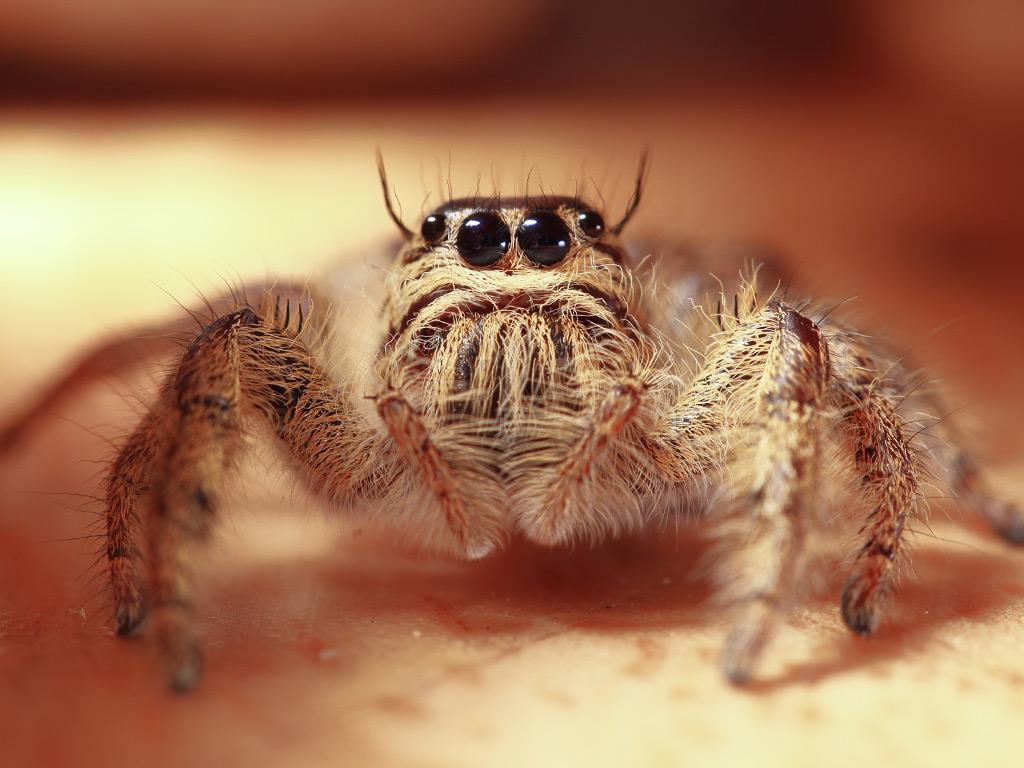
column 325, row 646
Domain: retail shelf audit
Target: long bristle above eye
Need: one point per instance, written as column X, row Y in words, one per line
column 407, row 234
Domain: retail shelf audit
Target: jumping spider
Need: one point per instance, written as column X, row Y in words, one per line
column 526, row 378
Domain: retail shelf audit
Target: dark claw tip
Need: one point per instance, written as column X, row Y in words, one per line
column 1013, row 532
column 738, row 676
column 129, row 621
column 187, row 672
column 859, row 617
column 737, row 660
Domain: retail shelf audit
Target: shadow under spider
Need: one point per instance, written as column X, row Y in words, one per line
column 526, row 594
column 947, row 587
column 259, row 616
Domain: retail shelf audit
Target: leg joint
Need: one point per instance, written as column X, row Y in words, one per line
column 798, row 371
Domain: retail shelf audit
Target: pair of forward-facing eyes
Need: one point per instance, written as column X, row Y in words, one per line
column 483, row 237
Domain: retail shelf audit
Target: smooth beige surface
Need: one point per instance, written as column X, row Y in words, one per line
column 325, row 646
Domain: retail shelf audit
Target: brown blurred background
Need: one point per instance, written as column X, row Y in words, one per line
column 109, row 51
column 151, row 149
column 877, row 144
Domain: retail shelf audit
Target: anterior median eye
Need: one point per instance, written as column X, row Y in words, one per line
column 544, row 238
column 434, row 227
column 483, row 238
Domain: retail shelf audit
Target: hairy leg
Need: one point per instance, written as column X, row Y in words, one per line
column 127, row 482
column 870, row 390
column 130, row 475
column 764, row 384
column 187, row 484
column 244, row 363
column 475, row 526
column 1006, row 518
column 776, row 486
column 889, row 472
column 568, row 484
column 183, row 451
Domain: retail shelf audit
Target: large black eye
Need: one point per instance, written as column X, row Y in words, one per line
column 544, row 238
column 483, row 238
column 591, row 223
column 434, row 227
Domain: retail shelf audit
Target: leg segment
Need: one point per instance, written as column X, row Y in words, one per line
column 1006, row 519
column 754, row 418
column 127, row 481
column 777, row 489
column 476, row 531
column 122, row 354
column 186, row 487
column 241, row 362
column 182, row 452
column 871, row 388
column 890, row 477
column 569, row 493
column 869, row 391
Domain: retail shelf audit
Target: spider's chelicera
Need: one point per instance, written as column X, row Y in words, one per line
column 526, row 379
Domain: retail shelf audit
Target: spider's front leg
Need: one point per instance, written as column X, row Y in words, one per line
column 765, row 386
column 184, row 448
column 777, row 485
column 181, row 451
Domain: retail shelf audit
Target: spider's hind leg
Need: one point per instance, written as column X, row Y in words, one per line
column 1005, row 517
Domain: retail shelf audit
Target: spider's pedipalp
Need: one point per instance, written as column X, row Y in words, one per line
column 476, row 526
column 570, row 482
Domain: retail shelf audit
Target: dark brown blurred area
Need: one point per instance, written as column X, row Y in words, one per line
column 895, row 126
column 323, row 50
column 563, row 50
column 108, row 51
column 877, row 144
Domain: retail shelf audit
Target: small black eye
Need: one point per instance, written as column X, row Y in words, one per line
column 590, row 223
column 544, row 238
column 483, row 238
column 434, row 227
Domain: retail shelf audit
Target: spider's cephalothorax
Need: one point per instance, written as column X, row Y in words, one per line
column 524, row 379
column 506, row 324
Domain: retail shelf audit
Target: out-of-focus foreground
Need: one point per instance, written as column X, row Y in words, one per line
column 142, row 153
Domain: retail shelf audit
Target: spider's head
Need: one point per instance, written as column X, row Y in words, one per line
column 499, row 305
column 531, row 289
column 554, row 257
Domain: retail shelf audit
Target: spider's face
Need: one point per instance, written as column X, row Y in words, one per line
column 520, row 254
column 508, row 296
column 549, row 257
